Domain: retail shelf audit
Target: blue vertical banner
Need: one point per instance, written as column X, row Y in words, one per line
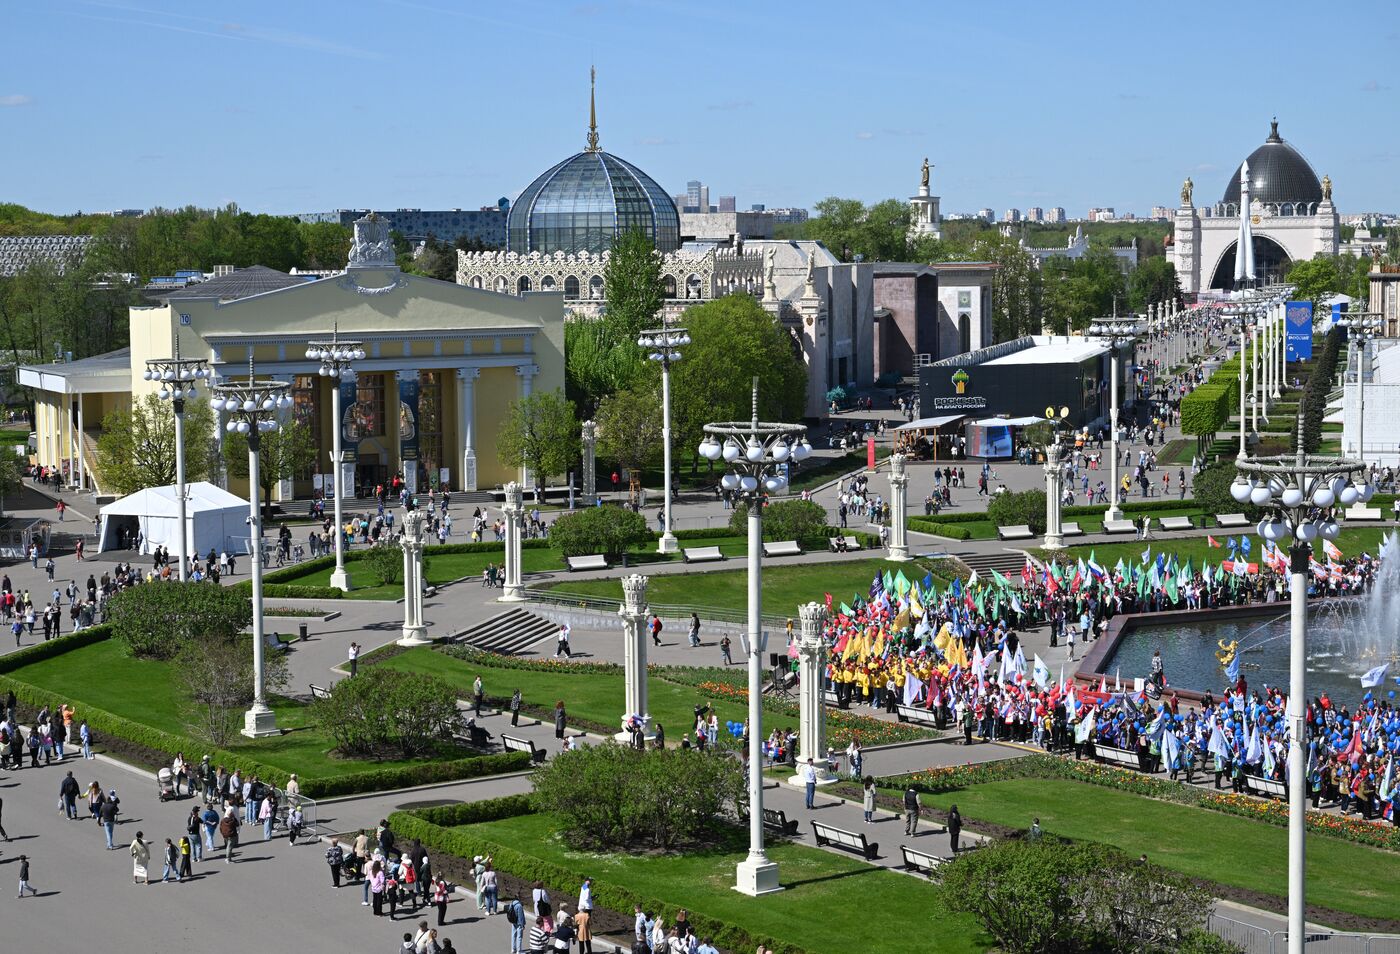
column 1339, row 311
column 1298, row 319
column 408, row 429
column 352, row 428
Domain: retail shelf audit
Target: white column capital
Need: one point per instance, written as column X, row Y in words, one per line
column 527, row 370
column 468, row 374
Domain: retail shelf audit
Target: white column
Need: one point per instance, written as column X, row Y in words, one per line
column 259, row 720
column 181, row 505
column 1244, row 379
column 633, row 613
column 466, row 425
column 811, row 733
column 899, row 504
column 81, row 482
column 526, row 372
column 1114, row 511
column 415, row 633
column 340, row 579
column 1054, row 537
column 668, row 542
column 68, row 439
column 514, row 510
column 590, row 463
column 1254, row 388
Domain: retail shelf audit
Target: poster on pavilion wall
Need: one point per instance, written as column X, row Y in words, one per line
column 408, row 430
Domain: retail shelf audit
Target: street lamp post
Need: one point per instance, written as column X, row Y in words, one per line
column 665, row 345
column 178, row 377
column 754, row 451
column 252, row 409
column 1362, row 328
column 1054, row 481
column 1118, row 332
column 335, row 357
column 1245, row 315
column 1301, row 492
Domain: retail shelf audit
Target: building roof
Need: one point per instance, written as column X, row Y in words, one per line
column 99, row 373
column 239, row 283
column 901, row 269
column 1277, row 173
column 1047, row 350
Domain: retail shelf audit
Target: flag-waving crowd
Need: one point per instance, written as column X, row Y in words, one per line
column 955, row 652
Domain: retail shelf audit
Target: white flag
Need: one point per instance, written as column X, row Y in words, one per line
column 1374, row 677
column 1041, row 672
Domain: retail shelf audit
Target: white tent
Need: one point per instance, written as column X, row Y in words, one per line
column 214, row 520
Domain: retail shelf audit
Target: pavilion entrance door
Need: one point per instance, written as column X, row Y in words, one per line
column 371, row 472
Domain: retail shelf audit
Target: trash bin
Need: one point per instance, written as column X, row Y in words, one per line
column 301, row 630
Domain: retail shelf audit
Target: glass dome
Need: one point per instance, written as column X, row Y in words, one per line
column 1277, row 173
column 584, row 202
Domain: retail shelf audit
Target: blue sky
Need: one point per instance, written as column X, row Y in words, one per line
column 299, row 106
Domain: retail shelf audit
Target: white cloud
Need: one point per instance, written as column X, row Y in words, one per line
column 16, row 99
column 865, row 135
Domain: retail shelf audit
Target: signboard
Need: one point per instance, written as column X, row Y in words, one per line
column 1338, row 310
column 444, row 477
column 966, row 403
column 1298, row 319
column 870, row 453
column 408, row 430
column 317, row 482
column 352, row 426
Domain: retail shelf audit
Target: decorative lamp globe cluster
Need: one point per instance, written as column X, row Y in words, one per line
column 252, row 409
column 1362, row 327
column 334, row 356
column 177, row 378
column 1303, row 498
column 1115, row 328
column 750, row 459
column 664, row 344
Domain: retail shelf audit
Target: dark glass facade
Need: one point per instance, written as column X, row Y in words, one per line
column 584, row 202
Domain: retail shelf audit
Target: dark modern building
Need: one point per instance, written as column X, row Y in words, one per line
column 906, row 315
column 487, row 226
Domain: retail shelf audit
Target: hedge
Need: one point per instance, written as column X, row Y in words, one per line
column 464, row 844
column 102, row 722
column 941, row 529
column 1205, row 411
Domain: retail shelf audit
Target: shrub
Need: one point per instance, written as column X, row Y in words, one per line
column 1205, row 411
column 839, row 395
column 1026, row 507
column 384, row 562
column 801, row 520
column 384, row 712
column 608, row 530
column 157, row 620
column 942, row 528
column 615, row 796
column 1212, row 490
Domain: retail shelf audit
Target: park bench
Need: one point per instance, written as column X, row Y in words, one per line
column 1176, row 523
column 1119, row 526
column 473, row 735
column 916, row 860
column 275, row 641
column 594, row 561
column 512, row 744
column 1362, row 512
column 850, row 840
column 829, row 697
column 776, row 821
column 1071, row 529
column 319, row 692
column 1017, row 531
column 1266, row 786
column 782, row 548
column 1127, row 758
column 701, row 554
column 1231, row 520
column 835, row 544
column 914, row 714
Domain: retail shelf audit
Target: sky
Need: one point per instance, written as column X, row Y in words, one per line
column 301, row 106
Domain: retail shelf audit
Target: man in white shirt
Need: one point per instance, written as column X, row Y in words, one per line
column 354, row 657
column 809, row 777
column 585, row 896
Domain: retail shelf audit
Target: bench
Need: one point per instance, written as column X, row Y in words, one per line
column 594, row 561
column 1231, row 520
column 1071, row 529
column 1119, row 526
column 1362, row 512
column 1176, row 523
column 851, row 841
column 916, row 860
column 843, row 544
column 319, row 692
column 776, row 821
column 1018, row 531
column 1127, row 758
column 512, row 744
column 473, row 735
column 914, row 714
column 701, row 554
column 782, row 548
column 1266, row 786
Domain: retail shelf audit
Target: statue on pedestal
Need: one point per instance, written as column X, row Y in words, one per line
column 1326, row 188
column 1186, row 190
column 923, row 179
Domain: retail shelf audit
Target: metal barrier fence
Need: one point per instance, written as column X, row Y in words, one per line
column 1253, row 939
column 609, row 607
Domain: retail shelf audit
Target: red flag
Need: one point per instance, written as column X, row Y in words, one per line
column 828, row 602
column 1026, row 573
column 1211, row 541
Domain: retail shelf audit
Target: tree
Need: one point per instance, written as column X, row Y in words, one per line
column 594, row 366
column 1315, row 278
column 11, row 479
column 629, row 431
column 435, row 260
column 540, row 434
column 800, row 520
column 733, row 340
column 847, row 227
column 1016, row 284
column 217, row 675
column 384, row 561
column 609, row 530
column 1014, row 509
column 1152, row 282
column 1078, row 291
column 385, row 713
column 284, row 454
column 632, row 282
column 158, row 620
column 136, row 448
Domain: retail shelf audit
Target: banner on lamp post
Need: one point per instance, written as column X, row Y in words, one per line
column 1298, row 318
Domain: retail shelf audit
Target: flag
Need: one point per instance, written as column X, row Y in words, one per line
column 1018, row 662
column 1103, row 684
column 1232, row 671
column 1374, row 677
column 1171, row 750
column 828, row 602
column 1254, row 750
column 1015, row 604
column 1218, row 744
column 1212, row 542
column 1085, row 728
column 1146, row 555
column 1117, row 679
column 1041, row 672
column 1231, row 545
column 1332, row 550
column 1096, row 571
column 846, row 610
column 1245, row 545
column 972, row 579
column 912, row 687
column 1000, row 580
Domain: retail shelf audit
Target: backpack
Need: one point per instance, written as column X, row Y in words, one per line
column 510, row 913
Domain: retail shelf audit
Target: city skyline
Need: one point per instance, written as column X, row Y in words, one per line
column 284, row 113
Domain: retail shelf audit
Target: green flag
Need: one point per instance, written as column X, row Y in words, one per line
column 901, row 585
column 1171, row 588
column 845, row 610
column 1000, row 580
column 888, row 582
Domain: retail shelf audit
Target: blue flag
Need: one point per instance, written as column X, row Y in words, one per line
column 1232, row 671
column 1245, row 545
column 1230, row 544
column 928, row 581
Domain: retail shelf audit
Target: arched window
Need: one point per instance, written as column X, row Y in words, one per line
column 668, row 286
column 501, row 285
column 523, row 285
column 476, row 281
column 692, row 285
column 547, row 283
column 570, row 286
column 964, row 333
column 595, row 287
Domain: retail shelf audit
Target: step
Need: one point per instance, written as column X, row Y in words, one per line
column 508, row 633
column 1004, row 562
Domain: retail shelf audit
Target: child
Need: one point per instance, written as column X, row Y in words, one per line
column 24, row 884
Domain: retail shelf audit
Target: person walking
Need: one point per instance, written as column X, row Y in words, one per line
column 376, row 888
column 2, row 826
column 560, row 719
column 694, row 630
column 170, row 858
column 228, row 828
column 193, row 826
column 515, row 708
column 440, row 899
column 724, row 647
column 515, row 915
column 954, row 827
column 354, row 657
column 335, row 858
column 107, row 815
column 24, row 884
column 911, row 811
column 68, row 793
column 478, row 695
column 867, row 802
column 140, row 859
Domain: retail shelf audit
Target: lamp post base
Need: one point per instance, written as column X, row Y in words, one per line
column 1053, row 541
column 414, row 636
column 757, row 876
column 898, row 554
column 260, row 721
column 824, row 777
column 1114, row 512
column 668, row 543
column 340, row 579
column 512, row 594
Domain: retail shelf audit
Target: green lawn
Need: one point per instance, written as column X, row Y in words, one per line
column 593, row 696
column 145, row 691
column 9, row 437
column 1197, row 549
column 823, row 890
column 784, row 587
column 1228, row 849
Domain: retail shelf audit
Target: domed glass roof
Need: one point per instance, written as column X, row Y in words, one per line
column 1277, row 173
column 586, row 201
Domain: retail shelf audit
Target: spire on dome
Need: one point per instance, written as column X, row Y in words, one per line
column 1273, row 131
column 592, row 110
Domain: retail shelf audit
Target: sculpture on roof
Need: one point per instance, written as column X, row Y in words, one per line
column 372, row 244
column 924, row 180
column 1186, row 188
column 1326, row 188
column 812, row 270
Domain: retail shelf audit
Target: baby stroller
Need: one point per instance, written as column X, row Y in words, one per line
column 165, row 785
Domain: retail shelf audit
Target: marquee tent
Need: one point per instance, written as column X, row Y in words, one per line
column 214, row 520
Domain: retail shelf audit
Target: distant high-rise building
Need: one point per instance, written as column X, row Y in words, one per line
column 758, row 207
column 1011, row 215
column 987, row 215
column 1035, row 214
column 692, row 194
column 1055, row 215
column 1101, row 214
column 786, row 215
column 726, row 203
column 1162, row 212
column 705, row 199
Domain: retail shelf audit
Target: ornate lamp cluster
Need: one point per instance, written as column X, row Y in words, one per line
column 177, row 376
column 335, row 355
column 664, row 344
column 252, row 406
column 753, row 450
column 1302, row 493
column 1117, row 329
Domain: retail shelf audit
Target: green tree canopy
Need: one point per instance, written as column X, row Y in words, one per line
column 629, row 428
column 632, row 280
column 1325, row 275
column 595, row 366
column 847, row 227
column 1079, row 290
column 136, row 449
column 541, row 434
column 284, row 454
column 157, row 620
column 1152, row 282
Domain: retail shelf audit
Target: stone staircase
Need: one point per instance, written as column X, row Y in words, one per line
column 1005, row 562
column 509, row 633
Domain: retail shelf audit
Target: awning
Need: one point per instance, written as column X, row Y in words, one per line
column 1007, row 422
column 928, row 423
